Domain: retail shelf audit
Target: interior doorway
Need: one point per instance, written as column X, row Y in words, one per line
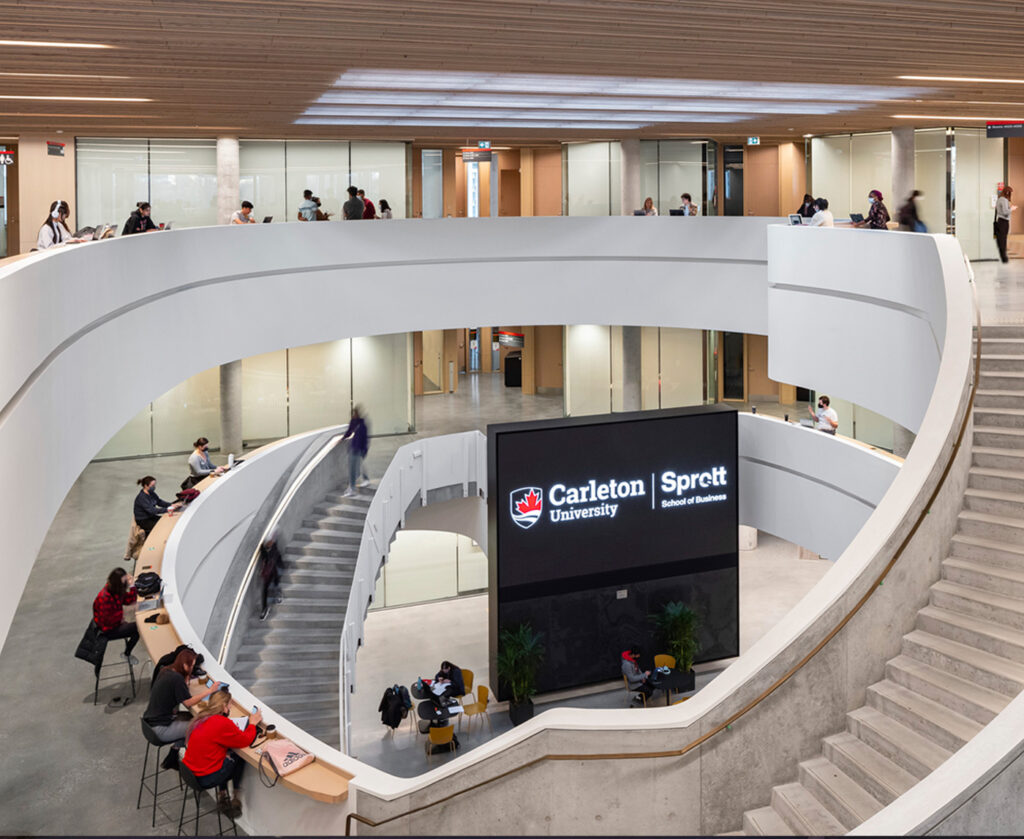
column 433, row 361
column 732, row 368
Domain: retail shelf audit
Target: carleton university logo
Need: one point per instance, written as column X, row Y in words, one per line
column 526, row 504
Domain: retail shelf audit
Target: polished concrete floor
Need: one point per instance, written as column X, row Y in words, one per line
column 72, row 769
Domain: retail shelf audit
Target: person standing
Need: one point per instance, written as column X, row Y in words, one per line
column 807, row 208
column 55, row 229
column 878, row 215
column 688, row 207
column 369, row 211
column 139, row 221
column 385, row 209
column 825, row 418
column 357, row 450
column 1002, row 224
column 308, row 207
column 822, row 214
column 352, row 210
column 243, row 216
column 270, row 569
column 907, row 216
column 108, row 611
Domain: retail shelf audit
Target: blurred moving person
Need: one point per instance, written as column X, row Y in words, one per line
column 906, row 215
column 270, row 570
column 357, row 450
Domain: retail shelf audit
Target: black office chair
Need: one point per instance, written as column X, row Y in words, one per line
column 101, row 666
column 192, row 787
column 152, row 740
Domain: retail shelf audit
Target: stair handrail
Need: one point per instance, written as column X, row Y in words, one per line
column 781, row 680
column 286, row 496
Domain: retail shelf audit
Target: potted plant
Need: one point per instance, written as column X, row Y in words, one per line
column 677, row 624
column 520, row 653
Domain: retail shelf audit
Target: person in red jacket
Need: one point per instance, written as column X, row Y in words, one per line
column 208, row 750
column 108, row 611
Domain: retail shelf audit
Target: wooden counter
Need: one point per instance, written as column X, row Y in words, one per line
column 319, row 780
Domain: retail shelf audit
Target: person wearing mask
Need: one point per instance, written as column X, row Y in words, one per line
column 822, row 214
column 149, row 506
column 139, row 221
column 357, row 450
column 270, row 569
column 208, row 753
column 55, row 229
column 199, row 463
column 1002, row 222
column 108, row 611
column 452, row 679
column 352, row 210
column 385, row 209
column 308, row 207
column 649, row 209
column 825, row 418
column 878, row 215
column 807, row 208
column 907, row 216
column 635, row 677
column 169, row 690
column 243, row 216
column 688, row 207
column 369, row 211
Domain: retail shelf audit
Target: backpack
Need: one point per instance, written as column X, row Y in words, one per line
column 147, row 583
column 92, row 646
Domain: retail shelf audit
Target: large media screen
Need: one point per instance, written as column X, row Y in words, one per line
column 596, row 521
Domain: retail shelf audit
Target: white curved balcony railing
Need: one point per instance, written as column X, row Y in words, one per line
column 899, row 347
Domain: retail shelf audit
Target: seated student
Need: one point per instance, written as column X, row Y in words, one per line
column 139, row 221
column 208, row 751
column 108, row 611
column 822, row 214
column 688, row 207
column 149, row 506
column 199, row 463
column 635, row 677
column 451, row 677
column 243, row 216
column 170, row 689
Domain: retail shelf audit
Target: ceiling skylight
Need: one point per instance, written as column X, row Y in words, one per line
column 536, row 100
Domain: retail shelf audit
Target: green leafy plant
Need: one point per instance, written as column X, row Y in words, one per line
column 520, row 654
column 678, row 625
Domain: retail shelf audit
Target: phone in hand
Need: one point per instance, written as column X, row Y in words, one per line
column 209, row 683
column 255, row 709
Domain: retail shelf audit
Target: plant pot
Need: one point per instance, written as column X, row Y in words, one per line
column 520, row 712
column 690, row 682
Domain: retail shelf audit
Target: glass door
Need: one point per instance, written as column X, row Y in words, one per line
column 733, row 158
column 433, row 358
column 732, row 378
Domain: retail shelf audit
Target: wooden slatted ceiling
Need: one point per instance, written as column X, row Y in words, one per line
column 252, row 68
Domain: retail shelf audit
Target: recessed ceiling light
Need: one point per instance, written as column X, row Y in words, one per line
column 467, row 123
column 957, row 117
column 808, row 136
column 74, row 98
column 63, row 76
column 975, row 79
column 58, row 44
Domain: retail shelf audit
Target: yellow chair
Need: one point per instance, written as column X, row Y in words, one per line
column 467, row 679
column 478, row 707
column 665, row 661
column 630, row 692
column 438, row 736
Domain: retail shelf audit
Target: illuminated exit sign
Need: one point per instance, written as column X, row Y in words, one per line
column 6, row 157
column 753, row 141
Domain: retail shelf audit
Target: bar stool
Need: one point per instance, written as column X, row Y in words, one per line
column 101, row 666
column 152, row 740
column 192, row 786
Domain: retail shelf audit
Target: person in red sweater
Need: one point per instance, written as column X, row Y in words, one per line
column 208, row 750
column 108, row 611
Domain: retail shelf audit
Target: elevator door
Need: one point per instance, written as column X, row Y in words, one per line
column 733, row 369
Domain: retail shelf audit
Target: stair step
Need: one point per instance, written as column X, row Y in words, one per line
column 843, row 797
column 937, row 722
column 916, row 754
column 965, row 697
column 338, row 589
column 967, row 662
column 987, row 605
column 765, row 822
column 320, row 549
column 993, row 478
column 317, row 576
column 307, row 672
column 874, row 772
column 1000, row 362
column 995, row 638
column 996, row 398
column 361, row 500
column 315, row 624
column 803, row 812
column 990, row 551
column 285, row 704
column 1002, row 344
column 1000, row 527
column 334, row 537
column 984, row 576
column 254, row 653
column 988, row 417
column 989, row 436
column 343, row 524
column 319, row 563
column 997, row 458
column 994, row 501
column 1000, row 330
column 314, row 683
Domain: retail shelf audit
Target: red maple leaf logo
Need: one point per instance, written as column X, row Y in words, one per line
column 530, row 503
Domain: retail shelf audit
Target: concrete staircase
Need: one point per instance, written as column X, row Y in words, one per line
column 964, row 660
column 290, row 660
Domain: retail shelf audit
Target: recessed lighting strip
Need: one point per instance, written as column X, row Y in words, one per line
column 57, row 44
column 968, row 79
column 63, row 76
column 74, row 98
column 957, row 118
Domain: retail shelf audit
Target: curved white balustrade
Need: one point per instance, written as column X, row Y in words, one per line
column 71, row 323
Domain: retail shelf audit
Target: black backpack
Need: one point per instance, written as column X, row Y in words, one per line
column 147, row 583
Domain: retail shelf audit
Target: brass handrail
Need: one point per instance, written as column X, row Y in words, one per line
column 722, row 726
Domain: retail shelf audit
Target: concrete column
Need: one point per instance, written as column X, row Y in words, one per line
column 902, row 168
column 902, row 440
column 631, row 398
column 231, row 408
column 228, row 199
column 630, row 177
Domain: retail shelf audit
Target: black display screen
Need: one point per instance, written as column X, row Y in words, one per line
column 636, row 508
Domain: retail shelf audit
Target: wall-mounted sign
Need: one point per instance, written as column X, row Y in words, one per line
column 1004, row 129
column 753, row 141
column 54, row 149
column 483, row 144
column 6, row 157
column 476, row 155
column 510, row 339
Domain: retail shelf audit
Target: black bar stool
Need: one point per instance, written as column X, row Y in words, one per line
column 101, row 666
column 192, row 786
column 152, row 740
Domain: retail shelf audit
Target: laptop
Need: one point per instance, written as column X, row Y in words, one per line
column 677, row 212
column 856, row 218
column 167, row 225
column 796, row 219
column 639, row 213
column 267, row 219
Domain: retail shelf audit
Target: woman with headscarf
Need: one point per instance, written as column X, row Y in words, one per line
column 878, row 215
